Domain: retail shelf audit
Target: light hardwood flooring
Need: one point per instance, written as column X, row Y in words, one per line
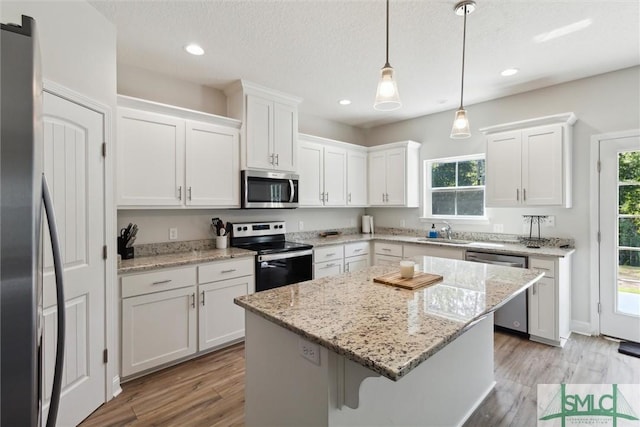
column 209, row 391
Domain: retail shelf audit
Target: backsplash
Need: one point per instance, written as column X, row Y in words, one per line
column 151, row 249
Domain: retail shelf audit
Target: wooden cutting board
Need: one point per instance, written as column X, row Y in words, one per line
column 418, row 280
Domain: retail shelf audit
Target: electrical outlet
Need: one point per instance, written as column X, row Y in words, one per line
column 300, row 225
column 352, row 222
column 550, row 221
column 309, row 351
column 173, row 234
column 498, row 228
column 402, row 222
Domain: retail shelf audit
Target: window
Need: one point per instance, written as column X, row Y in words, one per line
column 454, row 187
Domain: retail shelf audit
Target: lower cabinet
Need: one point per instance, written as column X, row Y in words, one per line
column 158, row 328
column 171, row 314
column 550, row 301
column 386, row 253
column 328, row 261
column 356, row 263
column 433, row 250
column 356, row 256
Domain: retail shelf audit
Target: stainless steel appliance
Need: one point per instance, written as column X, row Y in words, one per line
column 22, row 190
column 512, row 315
column 269, row 190
column 278, row 263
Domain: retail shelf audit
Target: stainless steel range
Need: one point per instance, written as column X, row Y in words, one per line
column 278, row 263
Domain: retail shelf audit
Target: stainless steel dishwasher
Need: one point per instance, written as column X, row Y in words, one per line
column 512, row 315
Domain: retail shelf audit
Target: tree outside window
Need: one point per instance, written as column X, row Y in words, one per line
column 455, row 187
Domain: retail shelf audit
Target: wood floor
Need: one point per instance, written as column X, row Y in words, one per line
column 209, row 391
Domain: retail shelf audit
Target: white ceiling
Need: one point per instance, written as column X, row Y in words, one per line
column 325, row 50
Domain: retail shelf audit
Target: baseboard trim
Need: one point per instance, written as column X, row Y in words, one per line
column 478, row 403
column 582, row 328
column 116, row 386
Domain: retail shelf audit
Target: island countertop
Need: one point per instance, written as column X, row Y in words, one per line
column 387, row 329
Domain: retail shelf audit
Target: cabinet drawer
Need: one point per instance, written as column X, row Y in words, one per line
column 328, row 254
column 155, row 281
column 355, row 249
column 222, row 270
column 386, row 260
column 329, row 268
column 544, row 265
column 388, row 249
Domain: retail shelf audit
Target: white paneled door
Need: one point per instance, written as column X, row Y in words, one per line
column 74, row 168
column 620, row 237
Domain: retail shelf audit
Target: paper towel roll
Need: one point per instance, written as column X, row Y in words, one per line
column 366, row 224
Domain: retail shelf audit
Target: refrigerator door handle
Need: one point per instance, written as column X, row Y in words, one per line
column 58, row 267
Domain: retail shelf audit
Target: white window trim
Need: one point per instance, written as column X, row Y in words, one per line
column 427, row 216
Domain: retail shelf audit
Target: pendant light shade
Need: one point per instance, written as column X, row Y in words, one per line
column 387, row 96
column 460, row 129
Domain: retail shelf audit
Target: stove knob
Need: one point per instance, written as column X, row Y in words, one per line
column 244, row 228
column 239, row 229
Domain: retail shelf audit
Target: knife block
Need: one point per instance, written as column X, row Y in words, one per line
column 123, row 250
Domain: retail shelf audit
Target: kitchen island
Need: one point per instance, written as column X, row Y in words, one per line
column 345, row 350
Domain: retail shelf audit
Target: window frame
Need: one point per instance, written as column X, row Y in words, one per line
column 427, row 214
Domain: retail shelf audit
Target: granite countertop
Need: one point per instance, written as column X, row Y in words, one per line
column 387, row 329
column 145, row 263
column 495, row 247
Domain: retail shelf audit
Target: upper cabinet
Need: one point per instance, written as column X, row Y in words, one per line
column 324, row 173
column 528, row 163
column 394, row 174
column 169, row 157
column 357, row 177
column 269, row 126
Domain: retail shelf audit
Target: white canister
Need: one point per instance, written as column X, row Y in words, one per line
column 366, row 224
column 407, row 269
column 221, row 242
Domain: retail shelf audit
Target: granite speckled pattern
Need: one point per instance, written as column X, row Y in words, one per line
column 163, row 248
column 135, row 265
column 386, row 329
column 486, row 246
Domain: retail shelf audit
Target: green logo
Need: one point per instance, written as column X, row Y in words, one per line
column 564, row 405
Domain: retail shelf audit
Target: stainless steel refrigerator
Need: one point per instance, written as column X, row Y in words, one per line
column 24, row 196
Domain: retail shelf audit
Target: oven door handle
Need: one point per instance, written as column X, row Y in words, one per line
column 284, row 255
column 293, row 191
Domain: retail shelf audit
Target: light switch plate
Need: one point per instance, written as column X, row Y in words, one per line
column 173, row 234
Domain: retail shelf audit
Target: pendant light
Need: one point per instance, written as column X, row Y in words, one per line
column 460, row 127
column 387, row 97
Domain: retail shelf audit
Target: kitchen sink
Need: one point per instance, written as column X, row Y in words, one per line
column 445, row 241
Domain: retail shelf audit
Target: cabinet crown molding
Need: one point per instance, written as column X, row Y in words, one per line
column 563, row 118
column 400, row 144
column 333, row 142
column 172, row 110
column 255, row 89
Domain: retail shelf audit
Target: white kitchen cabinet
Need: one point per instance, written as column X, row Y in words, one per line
column 323, row 174
column 158, row 328
column 550, row 301
column 269, row 126
column 356, row 263
column 212, row 165
column 356, row 178
column 528, row 163
column 328, row 261
column 426, row 249
column 356, row 256
column 220, row 320
column 169, row 157
column 394, row 174
column 329, row 268
column 385, row 253
column 150, row 159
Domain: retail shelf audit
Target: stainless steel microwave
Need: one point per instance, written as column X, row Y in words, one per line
column 269, row 190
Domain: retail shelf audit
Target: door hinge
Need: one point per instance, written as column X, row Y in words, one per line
column 104, row 149
column 105, row 356
column 104, row 252
column 599, row 166
column 599, row 236
column 599, row 308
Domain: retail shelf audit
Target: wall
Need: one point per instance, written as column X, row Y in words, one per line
column 194, row 224
column 604, row 103
column 145, row 84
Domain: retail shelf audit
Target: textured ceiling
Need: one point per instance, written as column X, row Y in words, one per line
column 325, row 50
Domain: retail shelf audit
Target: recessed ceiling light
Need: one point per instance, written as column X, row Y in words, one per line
column 194, row 49
column 509, row 72
column 562, row 31
column 344, row 102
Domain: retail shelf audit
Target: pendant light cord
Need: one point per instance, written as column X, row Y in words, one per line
column 464, row 42
column 386, row 65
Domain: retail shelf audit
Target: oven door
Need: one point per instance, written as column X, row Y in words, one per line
column 275, row 270
column 263, row 190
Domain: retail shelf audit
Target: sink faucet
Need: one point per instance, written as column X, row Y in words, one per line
column 446, row 230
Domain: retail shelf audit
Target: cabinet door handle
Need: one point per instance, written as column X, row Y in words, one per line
column 193, row 300
column 327, row 193
column 349, row 197
column 202, row 294
column 180, row 192
column 346, row 267
column 524, row 194
column 271, row 157
column 331, row 254
column 357, row 250
column 277, row 159
column 386, row 249
column 161, row 282
column 533, row 289
column 189, row 190
column 382, row 197
column 329, row 265
column 517, row 194
column 228, row 271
